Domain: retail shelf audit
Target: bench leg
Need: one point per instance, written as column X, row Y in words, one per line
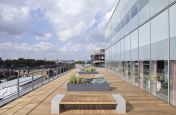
column 121, row 107
column 55, row 108
column 121, row 103
column 55, row 104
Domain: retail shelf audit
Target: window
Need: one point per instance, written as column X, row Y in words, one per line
column 122, row 50
column 159, row 37
column 173, row 55
column 134, row 10
column 173, row 32
column 170, row 1
column 144, row 42
column 144, row 13
column 134, row 45
column 157, row 5
column 127, row 47
column 160, row 55
column 142, row 3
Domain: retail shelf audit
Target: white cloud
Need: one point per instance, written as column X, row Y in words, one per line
column 42, row 46
column 9, row 46
column 105, row 19
column 43, row 36
column 83, row 48
column 69, row 47
column 13, row 19
column 72, row 20
column 71, row 32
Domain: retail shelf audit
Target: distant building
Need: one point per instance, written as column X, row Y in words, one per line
column 98, row 59
column 67, row 61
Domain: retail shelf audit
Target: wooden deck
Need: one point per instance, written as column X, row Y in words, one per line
column 38, row 101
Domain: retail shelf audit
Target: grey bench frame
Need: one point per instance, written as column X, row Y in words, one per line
column 56, row 103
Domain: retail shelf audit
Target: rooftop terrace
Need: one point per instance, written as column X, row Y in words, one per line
column 39, row 101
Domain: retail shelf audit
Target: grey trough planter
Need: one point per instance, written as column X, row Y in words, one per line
column 87, row 72
column 88, row 87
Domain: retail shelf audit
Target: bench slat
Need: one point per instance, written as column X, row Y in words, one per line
column 88, row 103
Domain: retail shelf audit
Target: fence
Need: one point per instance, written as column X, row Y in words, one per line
column 25, row 83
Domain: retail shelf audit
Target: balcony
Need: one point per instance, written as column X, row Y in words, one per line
column 39, row 101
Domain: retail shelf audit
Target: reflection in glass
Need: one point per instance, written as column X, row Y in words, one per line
column 145, row 75
column 173, row 55
column 159, row 79
column 135, row 73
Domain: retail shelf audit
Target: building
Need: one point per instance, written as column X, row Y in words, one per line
column 141, row 45
column 98, row 59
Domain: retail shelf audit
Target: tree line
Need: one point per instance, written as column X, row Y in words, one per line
column 21, row 62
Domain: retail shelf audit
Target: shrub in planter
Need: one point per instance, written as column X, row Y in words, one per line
column 87, row 84
column 87, row 80
column 88, row 70
column 75, row 80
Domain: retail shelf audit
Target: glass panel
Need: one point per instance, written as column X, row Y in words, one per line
column 144, row 13
column 173, row 82
column 127, row 48
column 144, row 42
column 136, row 73
column 122, row 49
column 157, row 5
column 118, row 47
column 122, row 70
column 159, row 79
column 133, row 63
column 129, row 71
column 170, row 1
column 173, row 55
column 159, row 52
column 159, row 37
column 145, row 75
column 134, row 10
column 134, row 45
column 173, row 32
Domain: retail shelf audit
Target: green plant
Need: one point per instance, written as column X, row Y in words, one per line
column 88, row 70
column 72, row 80
column 98, row 81
column 75, row 80
column 78, row 80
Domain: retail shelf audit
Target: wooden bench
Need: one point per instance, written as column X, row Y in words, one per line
column 114, row 99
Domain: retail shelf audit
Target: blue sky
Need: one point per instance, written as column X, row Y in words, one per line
column 53, row 29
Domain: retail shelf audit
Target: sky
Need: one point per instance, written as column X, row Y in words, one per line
column 53, row 29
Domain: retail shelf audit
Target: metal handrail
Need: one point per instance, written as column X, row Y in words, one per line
column 19, row 92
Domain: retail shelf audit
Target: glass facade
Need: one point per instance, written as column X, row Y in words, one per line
column 141, row 46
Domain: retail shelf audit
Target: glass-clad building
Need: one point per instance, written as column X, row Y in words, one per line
column 141, row 45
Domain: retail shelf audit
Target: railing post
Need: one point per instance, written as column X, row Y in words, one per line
column 43, row 75
column 61, row 70
column 48, row 75
column 53, row 74
column 57, row 71
column 32, row 81
column 18, row 84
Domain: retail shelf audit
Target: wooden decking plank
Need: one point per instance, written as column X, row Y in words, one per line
column 138, row 102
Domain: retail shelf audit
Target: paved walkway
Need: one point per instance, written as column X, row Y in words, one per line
column 38, row 101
